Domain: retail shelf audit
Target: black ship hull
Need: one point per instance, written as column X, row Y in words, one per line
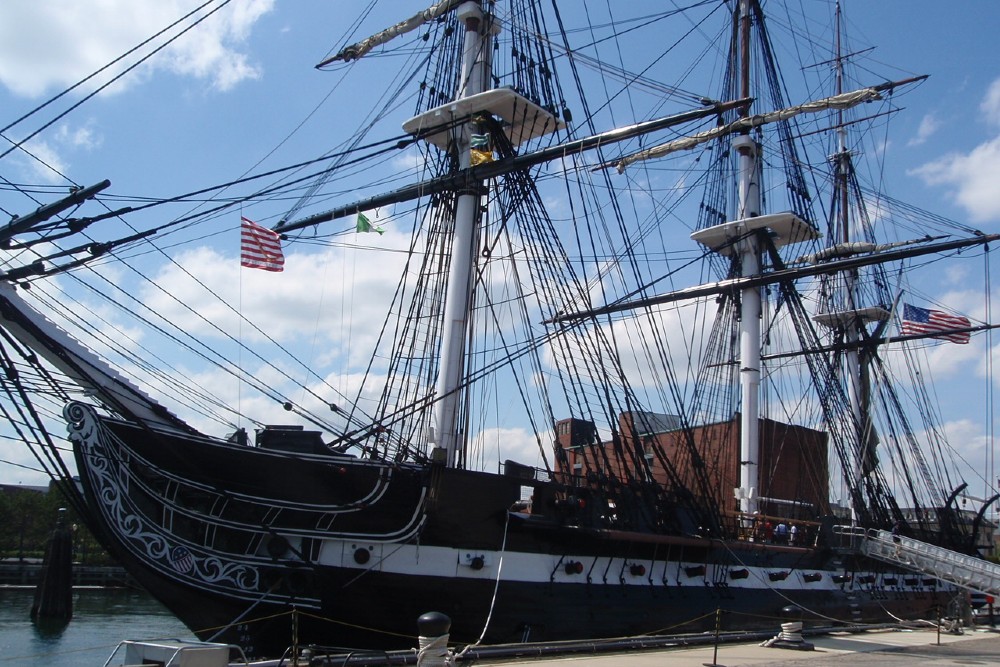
column 232, row 539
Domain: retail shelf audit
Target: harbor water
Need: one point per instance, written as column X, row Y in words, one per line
column 102, row 617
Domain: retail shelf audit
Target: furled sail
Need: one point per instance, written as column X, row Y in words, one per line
column 842, row 101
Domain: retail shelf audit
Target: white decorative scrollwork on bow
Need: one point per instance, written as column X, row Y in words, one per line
column 107, row 458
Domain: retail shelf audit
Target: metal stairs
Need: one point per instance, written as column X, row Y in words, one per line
column 966, row 571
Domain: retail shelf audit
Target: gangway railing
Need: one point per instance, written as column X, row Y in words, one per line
column 960, row 569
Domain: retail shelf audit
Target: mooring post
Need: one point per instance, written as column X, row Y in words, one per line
column 54, row 592
column 433, row 630
column 791, row 631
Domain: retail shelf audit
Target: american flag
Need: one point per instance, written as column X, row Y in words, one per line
column 260, row 248
column 934, row 322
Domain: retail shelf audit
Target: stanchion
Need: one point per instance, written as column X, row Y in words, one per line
column 715, row 650
column 937, row 608
column 295, row 636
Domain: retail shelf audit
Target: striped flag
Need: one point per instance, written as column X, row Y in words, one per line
column 181, row 559
column 934, row 322
column 260, row 248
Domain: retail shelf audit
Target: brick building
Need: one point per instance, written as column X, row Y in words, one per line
column 793, row 459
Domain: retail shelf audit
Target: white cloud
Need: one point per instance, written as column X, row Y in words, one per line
column 78, row 137
column 516, row 444
column 46, row 160
column 969, row 444
column 42, row 160
column 972, row 178
column 330, row 304
column 965, row 444
column 679, row 332
column 949, row 360
column 990, row 106
column 45, row 46
column 929, row 124
column 326, row 309
column 987, row 366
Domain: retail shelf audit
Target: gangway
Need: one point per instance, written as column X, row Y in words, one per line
column 966, row 571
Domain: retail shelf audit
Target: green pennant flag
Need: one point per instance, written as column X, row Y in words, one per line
column 365, row 225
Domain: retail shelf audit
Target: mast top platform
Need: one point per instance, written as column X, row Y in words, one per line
column 784, row 228
column 524, row 119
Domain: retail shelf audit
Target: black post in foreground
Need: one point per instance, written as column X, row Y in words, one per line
column 937, row 609
column 715, row 650
column 54, row 592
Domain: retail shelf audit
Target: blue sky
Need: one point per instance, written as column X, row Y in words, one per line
column 216, row 102
column 238, row 83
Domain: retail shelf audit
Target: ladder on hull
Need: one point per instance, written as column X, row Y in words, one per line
column 959, row 569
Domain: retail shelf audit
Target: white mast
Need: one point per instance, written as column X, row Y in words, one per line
column 748, row 228
column 750, row 301
column 475, row 64
column 450, row 127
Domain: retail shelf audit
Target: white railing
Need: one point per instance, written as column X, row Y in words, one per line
column 959, row 569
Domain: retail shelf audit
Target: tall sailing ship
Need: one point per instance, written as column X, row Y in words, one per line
column 696, row 445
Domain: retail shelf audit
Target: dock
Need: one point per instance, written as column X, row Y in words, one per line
column 842, row 649
column 883, row 647
column 27, row 573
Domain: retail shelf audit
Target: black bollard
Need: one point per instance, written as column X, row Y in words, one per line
column 791, row 631
column 433, row 624
column 433, row 628
column 54, row 592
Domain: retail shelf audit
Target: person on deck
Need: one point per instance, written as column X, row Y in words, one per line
column 896, row 528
